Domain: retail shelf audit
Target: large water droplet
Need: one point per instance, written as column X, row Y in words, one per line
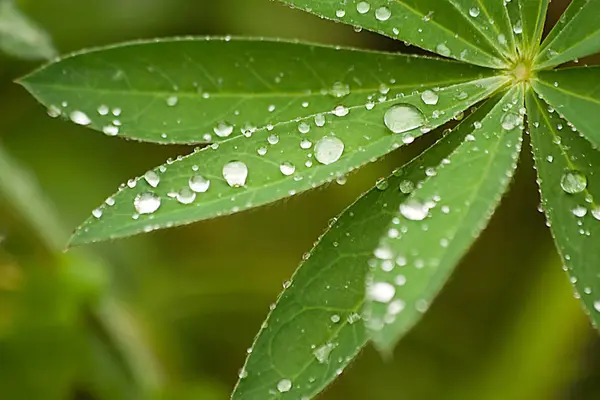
column 152, row 178
column 430, row 97
column 381, row 292
column 414, row 210
column 146, row 203
column 340, row 89
column 363, row 7
column 403, row 118
column 199, row 184
column 573, row 182
column 284, row 385
column 383, row 13
column 80, row 118
column 186, row 196
column 328, row 150
column 235, row 173
column 322, row 353
column 287, row 168
column 223, row 129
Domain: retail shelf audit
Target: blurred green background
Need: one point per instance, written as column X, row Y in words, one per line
column 169, row 315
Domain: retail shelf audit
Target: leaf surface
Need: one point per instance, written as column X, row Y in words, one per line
column 195, row 90
column 528, row 18
column 444, row 27
column 577, row 34
column 20, row 36
column 571, row 93
column 246, row 172
column 433, row 229
column 315, row 329
column 568, row 169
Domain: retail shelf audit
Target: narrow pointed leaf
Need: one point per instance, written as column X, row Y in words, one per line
column 568, row 170
column 528, row 19
column 206, row 89
column 20, row 36
column 435, row 227
column 569, row 91
column 247, row 172
column 441, row 26
column 315, row 330
column 577, row 34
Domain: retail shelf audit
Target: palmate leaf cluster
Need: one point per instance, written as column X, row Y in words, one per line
column 276, row 118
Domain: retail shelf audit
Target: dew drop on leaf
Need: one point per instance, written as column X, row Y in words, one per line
column 322, row 353
column 284, row 385
column 407, row 187
column 186, row 196
column 474, row 12
column 328, row 150
column 146, row 203
column 340, row 89
column 235, row 173
column 414, row 210
column 80, row 118
column 573, row 182
column 152, row 178
column 403, row 118
column 287, row 168
column 383, row 14
column 363, row 7
column 381, row 292
column 223, row 129
column 199, row 184
column 429, row 97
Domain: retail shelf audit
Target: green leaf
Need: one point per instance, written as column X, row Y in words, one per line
column 568, row 169
column 441, row 26
column 577, row 34
column 315, row 331
column 569, row 91
column 246, row 172
column 207, row 89
column 528, row 18
column 435, row 227
column 20, row 36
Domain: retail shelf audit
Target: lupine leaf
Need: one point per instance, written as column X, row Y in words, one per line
column 568, row 170
column 569, row 91
column 194, row 90
column 438, row 223
column 441, row 26
column 528, row 19
column 315, row 330
column 247, row 172
column 577, row 34
column 20, row 36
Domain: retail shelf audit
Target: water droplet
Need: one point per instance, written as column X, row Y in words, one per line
column 341, row 111
column 320, row 120
column 510, row 121
column 403, row 118
column 407, row 187
column 340, row 89
column 381, row 292
column 443, row 50
column 273, row 139
column 383, row 14
column 152, row 178
column 199, row 184
column 414, row 210
column 54, row 112
column 363, row 7
column 186, row 196
column 261, row 151
column 235, row 173
column 110, row 130
column 303, row 127
column 335, row 318
column 305, row 144
column 284, row 385
column 223, row 129
column 322, row 353
column 573, row 182
column 382, row 184
column 172, row 101
column 103, row 110
column 430, row 97
column 328, row 150
column 287, row 168
column 340, row 13
column 146, row 203
column 579, row 211
column 596, row 212
column 597, row 305
column 97, row 213
column 80, row 118
column 474, row 12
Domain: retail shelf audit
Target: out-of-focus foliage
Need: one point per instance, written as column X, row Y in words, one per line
column 169, row 315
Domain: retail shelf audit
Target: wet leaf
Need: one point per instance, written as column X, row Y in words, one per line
column 20, row 36
column 293, row 157
column 569, row 92
column 444, row 27
column 577, row 34
column 528, row 18
column 568, row 169
column 194, row 90
column 315, row 330
column 433, row 229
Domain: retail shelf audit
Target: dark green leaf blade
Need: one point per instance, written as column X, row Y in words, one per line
column 577, row 34
column 315, row 331
column 441, row 26
column 528, row 18
column 434, row 228
column 194, row 90
column 20, row 36
column 272, row 164
column 568, row 169
column 569, row 91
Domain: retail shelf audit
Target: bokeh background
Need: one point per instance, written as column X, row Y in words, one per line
column 169, row 315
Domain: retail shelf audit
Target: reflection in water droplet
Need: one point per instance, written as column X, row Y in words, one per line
column 152, row 178
column 146, row 203
column 186, row 196
column 80, row 118
column 223, row 129
column 383, row 14
column 414, row 210
column 199, row 184
column 287, row 168
column 328, row 150
column 363, row 7
column 235, row 173
column 284, row 385
column 573, row 182
column 430, row 97
column 407, row 187
column 403, row 118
